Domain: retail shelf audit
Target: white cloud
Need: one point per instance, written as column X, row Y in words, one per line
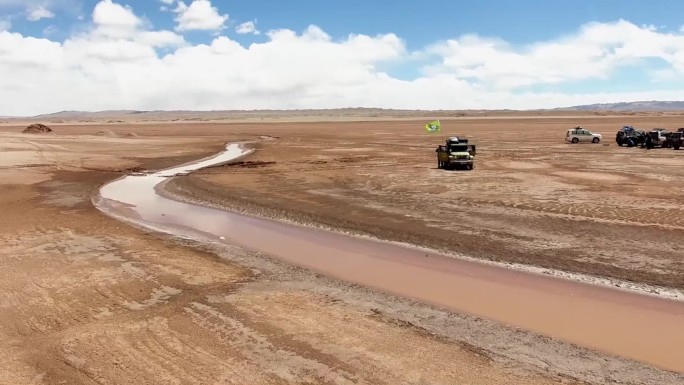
column 248, row 27
column 119, row 61
column 50, row 29
column 37, row 13
column 166, row 4
column 117, row 36
column 5, row 24
column 199, row 15
column 595, row 52
column 115, row 20
column 160, row 39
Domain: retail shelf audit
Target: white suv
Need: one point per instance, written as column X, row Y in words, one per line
column 579, row 134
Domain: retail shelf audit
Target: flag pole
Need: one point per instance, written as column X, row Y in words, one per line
column 441, row 132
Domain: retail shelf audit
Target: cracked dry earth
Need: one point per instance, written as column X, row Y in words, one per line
column 86, row 299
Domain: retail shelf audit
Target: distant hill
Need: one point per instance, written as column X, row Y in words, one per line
column 79, row 114
column 129, row 116
column 198, row 115
column 653, row 105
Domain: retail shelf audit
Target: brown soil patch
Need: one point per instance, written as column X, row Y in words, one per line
column 88, row 299
column 37, row 128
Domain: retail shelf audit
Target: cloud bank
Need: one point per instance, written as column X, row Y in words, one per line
column 120, row 62
column 39, row 12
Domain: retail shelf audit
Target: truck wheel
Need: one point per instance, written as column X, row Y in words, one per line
column 575, row 140
column 676, row 147
column 595, row 140
column 630, row 143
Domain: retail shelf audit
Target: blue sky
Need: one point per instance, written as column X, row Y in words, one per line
column 418, row 22
column 431, row 34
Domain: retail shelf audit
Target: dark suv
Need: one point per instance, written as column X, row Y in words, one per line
column 630, row 136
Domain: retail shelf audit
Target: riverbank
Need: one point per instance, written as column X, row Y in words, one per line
column 588, row 315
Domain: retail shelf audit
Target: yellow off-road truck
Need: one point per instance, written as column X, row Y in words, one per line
column 457, row 153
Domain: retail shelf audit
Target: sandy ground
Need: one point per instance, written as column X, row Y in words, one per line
column 87, row 299
column 532, row 199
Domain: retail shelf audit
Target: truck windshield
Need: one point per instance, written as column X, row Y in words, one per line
column 459, row 148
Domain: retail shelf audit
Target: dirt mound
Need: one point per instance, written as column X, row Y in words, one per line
column 132, row 135
column 107, row 133
column 37, row 128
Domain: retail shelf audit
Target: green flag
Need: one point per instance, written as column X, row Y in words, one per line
column 433, row 127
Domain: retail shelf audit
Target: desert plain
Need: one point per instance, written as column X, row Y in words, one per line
column 89, row 299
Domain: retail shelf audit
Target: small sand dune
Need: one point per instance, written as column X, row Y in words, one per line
column 107, row 133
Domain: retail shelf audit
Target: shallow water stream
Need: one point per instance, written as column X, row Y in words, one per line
column 641, row 327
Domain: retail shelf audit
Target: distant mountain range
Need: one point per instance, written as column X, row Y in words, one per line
column 653, row 105
column 641, row 106
column 78, row 114
column 113, row 116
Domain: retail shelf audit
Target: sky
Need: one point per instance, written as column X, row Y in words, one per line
column 93, row 55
